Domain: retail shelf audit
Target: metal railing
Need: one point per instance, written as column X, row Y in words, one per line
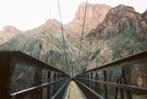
column 122, row 79
column 22, row 76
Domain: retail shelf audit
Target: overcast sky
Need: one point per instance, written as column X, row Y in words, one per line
column 28, row 14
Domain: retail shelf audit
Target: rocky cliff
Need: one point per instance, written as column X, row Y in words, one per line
column 95, row 14
column 122, row 33
column 122, row 26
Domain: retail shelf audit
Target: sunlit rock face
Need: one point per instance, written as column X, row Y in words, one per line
column 10, row 29
column 95, row 14
column 93, row 11
column 7, row 33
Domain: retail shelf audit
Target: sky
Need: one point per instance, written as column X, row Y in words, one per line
column 28, row 14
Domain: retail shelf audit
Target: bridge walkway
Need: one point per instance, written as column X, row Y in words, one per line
column 74, row 92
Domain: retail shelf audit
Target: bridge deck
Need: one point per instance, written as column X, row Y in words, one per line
column 74, row 92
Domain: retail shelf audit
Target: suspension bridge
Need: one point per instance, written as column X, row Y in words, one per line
column 25, row 77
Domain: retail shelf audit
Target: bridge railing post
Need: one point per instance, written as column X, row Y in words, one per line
column 97, row 87
column 5, row 74
column 105, row 86
column 92, row 84
column 37, row 81
column 49, row 76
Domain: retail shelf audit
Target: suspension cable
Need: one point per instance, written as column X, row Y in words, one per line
column 50, row 11
column 97, row 24
column 62, row 32
column 82, row 31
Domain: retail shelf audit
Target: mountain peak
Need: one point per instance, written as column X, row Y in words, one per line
column 93, row 11
column 122, row 11
column 10, row 29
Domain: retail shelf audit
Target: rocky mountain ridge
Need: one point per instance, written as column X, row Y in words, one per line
column 123, row 16
column 119, row 21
